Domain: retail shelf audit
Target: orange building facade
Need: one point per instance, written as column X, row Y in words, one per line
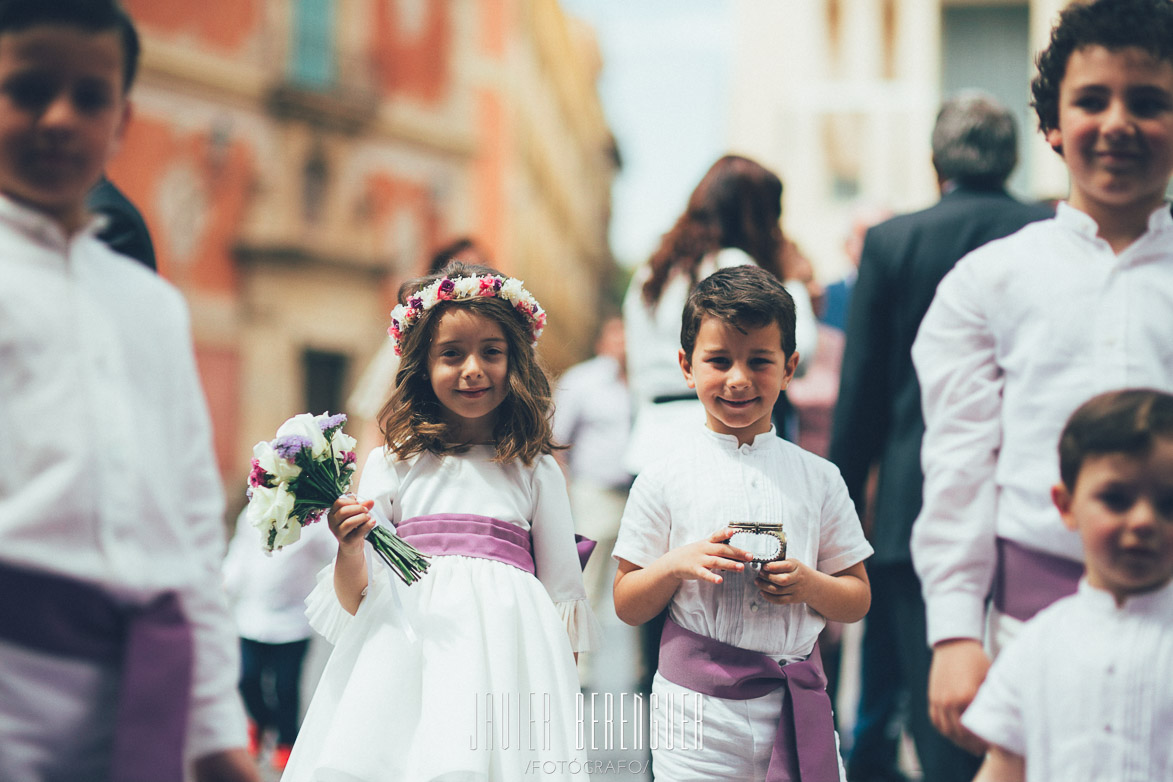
column 296, row 160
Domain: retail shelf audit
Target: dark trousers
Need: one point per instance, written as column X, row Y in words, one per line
column 270, row 683
column 894, row 686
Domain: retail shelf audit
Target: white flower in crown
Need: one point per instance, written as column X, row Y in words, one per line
column 512, row 291
column 404, row 316
column 465, row 287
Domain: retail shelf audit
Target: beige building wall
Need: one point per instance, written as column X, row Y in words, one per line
column 288, row 212
column 839, row 97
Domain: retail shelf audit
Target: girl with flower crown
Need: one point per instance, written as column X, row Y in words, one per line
column 468, row 674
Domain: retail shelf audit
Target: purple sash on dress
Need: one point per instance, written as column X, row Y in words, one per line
column 1026, row 580
column 484, row 537
column 152, row 643
column 804, row 747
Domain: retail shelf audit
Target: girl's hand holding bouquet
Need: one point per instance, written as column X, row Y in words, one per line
column 305, row 472
column 350, row 521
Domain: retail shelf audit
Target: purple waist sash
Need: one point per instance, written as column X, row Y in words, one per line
column 471, row 536
column 1026, row 581
column 484, row 537
column 804, row 747
column 152, row 644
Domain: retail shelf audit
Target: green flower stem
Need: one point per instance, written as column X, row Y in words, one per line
column 404, row 559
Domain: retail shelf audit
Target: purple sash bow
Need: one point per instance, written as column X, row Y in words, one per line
column 152, row 643
column 804, row 747
column 484, row 537
column 1026, row 580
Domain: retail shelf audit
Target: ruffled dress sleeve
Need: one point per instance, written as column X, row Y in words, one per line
column 326, row 615
column 556, row 557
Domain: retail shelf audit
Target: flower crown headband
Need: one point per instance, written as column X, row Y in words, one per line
column 404, row 316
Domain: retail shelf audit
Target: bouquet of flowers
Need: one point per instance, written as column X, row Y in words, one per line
column 295, row 479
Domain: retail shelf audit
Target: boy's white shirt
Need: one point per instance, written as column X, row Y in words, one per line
column 696, row 490
column 1084, row 691
column 103, row 415
column 1021, row 332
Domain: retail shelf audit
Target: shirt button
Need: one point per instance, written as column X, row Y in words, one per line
column 753, row 607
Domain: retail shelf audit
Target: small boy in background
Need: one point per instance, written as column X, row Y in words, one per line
column 1084, row 692
column 737, row 351
column 118, row 659
column 1026, row 328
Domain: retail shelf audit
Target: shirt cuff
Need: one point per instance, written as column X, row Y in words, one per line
column 580, row 623
column 955, row 616
column 326, row 615
column 985, row 723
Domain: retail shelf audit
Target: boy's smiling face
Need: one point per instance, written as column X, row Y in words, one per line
column 738, row 375
column 62, row 112
column 1122, row 508
column 1116, row 129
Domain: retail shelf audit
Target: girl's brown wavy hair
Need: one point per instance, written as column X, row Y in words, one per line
column 412, row 422
column 737, row 203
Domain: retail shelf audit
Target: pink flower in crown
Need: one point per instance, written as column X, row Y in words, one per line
column 489, row 286
column 444, row 292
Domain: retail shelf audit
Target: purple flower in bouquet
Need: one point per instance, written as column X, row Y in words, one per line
column 295, row 479
column 289, row 447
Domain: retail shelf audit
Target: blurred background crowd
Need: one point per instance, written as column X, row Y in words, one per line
column 296, row 161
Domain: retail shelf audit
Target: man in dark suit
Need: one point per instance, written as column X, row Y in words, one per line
column 878, row 416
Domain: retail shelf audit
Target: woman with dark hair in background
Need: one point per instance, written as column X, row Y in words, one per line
column 732, row 218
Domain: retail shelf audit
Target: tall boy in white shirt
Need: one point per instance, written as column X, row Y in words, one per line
column 737, row 351
column 118, row 660
column 1026, row 328
column 1083, row 692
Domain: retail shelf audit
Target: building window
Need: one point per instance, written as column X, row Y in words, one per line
column 325, row 376
column 315, row 180
column 312, row 60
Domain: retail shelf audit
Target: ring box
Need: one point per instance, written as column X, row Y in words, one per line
column 765, row 542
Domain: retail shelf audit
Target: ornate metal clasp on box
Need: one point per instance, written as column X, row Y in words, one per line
column 766, row 542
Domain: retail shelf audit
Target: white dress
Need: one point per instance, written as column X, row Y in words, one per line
column 467, row 675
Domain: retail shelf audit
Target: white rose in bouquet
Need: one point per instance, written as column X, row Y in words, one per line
column 342, row 444
column 290, row 532
column 274, row 464
column 268, row 507
column 305, row 425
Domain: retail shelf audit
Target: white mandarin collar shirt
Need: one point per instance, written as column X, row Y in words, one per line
column 695, row 491
column 1085, row 692
column 1021, row 332
column 110, row 476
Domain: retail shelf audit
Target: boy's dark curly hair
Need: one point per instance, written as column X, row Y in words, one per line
column 94, row 16
column 1113, row 24
column 745, row 297
column 1126, row 421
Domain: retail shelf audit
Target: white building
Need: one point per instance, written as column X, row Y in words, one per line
column 839, row 98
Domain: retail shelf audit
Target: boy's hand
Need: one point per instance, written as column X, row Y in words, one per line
column 697, row 561
column 959, row 666
column 350, row 522
column 229, row 765
column 786, row 582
